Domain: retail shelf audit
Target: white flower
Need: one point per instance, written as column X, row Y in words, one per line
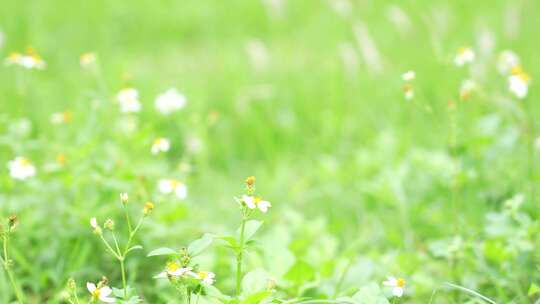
column 507, row 61
column 161, row 145
column 124, row 197
column 396, row 284
column 31, row 60
column 467, row 86
column 253, row 202
column 465, row 55
column 129, row 100
column 174, row 270
column 61, row 117
column 170, row 101
column 408, row 76
column 94, row 223
column 21, row 168
column 167, row 186
column 100, row 293
column 408, row 91
column 205, row 276
column 518, row 82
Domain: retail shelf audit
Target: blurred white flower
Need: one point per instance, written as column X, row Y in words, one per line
column 88, row 59
column 466, row 88
column 100, row 293
column 194, row 144
column 21, row 168
column 167, row 186
column 258, row 54
column 399, row 18
column 205, row 276
column 396, row 284
column 173, row 269
column 408, row 91
column 409, row 76
column 464, row 56
column 170, row 101
column 507, row 61
column 129, row 100
column 124, row 197
column 518, row 82
column 341, row 7
column 61, row 117
column 30, row 60
column 253, row 202
column 94, row 223
column 161, row 145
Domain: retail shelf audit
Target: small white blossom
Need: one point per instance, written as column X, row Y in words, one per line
column 518, row 83
column 409, row 76
column 408, row 92
column 173, row 269
column 129, row 100
column 507, row 61
column 253, row 202
column 61, row 117
column 94, row 223
column 466, row 88
column 396, row 284
column 205, row 276
column 167, row 186
column 160, row 145
column 30, row 61
column 100, row 293
column 170, row 101
column 124, row 197
column 464, row 56
column 21, row 168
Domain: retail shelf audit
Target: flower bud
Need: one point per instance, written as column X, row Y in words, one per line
column 124, row 197
column 71, row 284
column 109, row 224
column 250, row 181
column 12, row 222
column 148, row 207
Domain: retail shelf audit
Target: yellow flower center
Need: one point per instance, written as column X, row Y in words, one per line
column 203, row 275
column 257, row 200
column 25, row 162
column 400, row 282
column 172, row 267
column 96, row 293
column 407, row 88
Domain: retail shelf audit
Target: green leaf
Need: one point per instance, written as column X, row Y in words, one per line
column 212, row 291
column 198, row 246
column 250, row 229
column 230, row 240
column 162, row 251
column 300, row 272
column 370, row 294
column 255, row 281
column 533, row 289
column 136, row 247
column 256, row 298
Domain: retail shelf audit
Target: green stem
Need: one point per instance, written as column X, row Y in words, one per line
column 239, row 258
column 5, row 262
column 116, row 255
column 124, row 284
column 342, row 278
column 127, row 219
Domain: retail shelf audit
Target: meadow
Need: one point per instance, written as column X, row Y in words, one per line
column 269, row 151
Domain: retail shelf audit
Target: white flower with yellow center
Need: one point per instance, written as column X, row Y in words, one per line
column 21, row 168
column 408, row 91
column 507, row 61
column 31, row 60
column 464, row 56
column 167, row 186
column 61, row 117
column 396, row 284
column 253, row 202
column 129, row 100
column 100, row 293
column 170, row 102
column 518, row 82
column 205, row 276
column 160, row 145
column 409, row 76
column 173, row 269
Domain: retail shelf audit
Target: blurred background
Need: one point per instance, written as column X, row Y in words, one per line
column 305, row 95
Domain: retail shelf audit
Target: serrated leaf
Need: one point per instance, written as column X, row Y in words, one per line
column 162, row 251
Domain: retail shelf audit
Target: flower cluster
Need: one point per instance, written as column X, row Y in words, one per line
column 31, row 60
column 21, row 168
column 465, row 55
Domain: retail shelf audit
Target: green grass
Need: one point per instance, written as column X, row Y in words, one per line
column 359, row 178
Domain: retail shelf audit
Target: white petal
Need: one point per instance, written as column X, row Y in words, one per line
column 264, row 205
column 91, row 286
column 105, row 291
column 93, row 222
column 397, row 291
column 391, row 281
column 249, row 201
column 181, row 191
column 107, row 300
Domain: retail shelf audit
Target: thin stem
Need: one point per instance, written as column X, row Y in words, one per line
column 239, row 257
column 116, row 255
column 124, row 284
column 342, row 278
column 5, row 262
column 127, row 219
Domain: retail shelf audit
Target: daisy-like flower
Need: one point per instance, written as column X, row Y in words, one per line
column 408, row 91
column 30, row 60
column 205, row 276
column 518, row 82
column 61, row 117
column 409, row 76
column 129, row 100
column 167, row 186
column 466, row 88
column 253, row 202
column 396, row 284
column 100, row 293
column 464, row 56
column 94, row 223
column 507, row 61
column 170, row 102
column 161, row 145
column 21, row 168
column 173, row 269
